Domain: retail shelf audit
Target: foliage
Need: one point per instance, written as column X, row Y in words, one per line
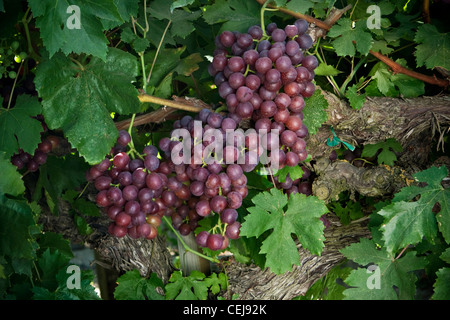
column 300, row 215
column 85, row 80
column 387, row 154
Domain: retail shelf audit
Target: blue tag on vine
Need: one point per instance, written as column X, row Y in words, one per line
column 335, row 141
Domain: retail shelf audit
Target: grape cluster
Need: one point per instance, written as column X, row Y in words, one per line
column 32, row 162
column 265, row 76
column 127, row 189
column 217, row 186
column 136, row 193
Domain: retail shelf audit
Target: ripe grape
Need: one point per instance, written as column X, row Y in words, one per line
column 214, row 241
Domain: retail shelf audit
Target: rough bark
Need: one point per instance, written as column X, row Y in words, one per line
column 250, row 282
column 412, row 122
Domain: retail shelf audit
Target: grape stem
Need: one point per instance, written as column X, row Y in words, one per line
column 14, row 85
column 133, row 150
column 185, row 246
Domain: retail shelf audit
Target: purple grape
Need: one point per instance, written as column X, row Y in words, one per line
column 214, row 242
column 201, row 238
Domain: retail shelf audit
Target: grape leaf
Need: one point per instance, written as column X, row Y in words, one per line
column 18, row 130
column 294, row 173
column 237, row 15
column 433, row 49
column 18, row 244
column 301, row 217
column 345, row 34
column 132, row 286
column 378, row 281
column 445, row 256
column 392, row 85
column 386, row 156
column 79, row 100
column 95, row 16
column 85, row 292
column 172, row 62
column 301, row 6
column 408, row 222
column 441, row 287
column 328, row 287
column 187, row 288
column 356, row 100
column 179, row 4
column 216, row 283
column 326, row 70
column 50, row 262
column 315, row 112
column 11, row 181
column 181, row 25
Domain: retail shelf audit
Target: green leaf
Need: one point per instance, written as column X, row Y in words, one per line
column 381, row 46
column 356, row 100
column 11, row 181
column 433, row 49
column 132, row 286
column 328, row 287
column 383, row 80
column 55, row 25
column 60, row 174
column 181, row 25
column 50, row 263
column 180, row 3
column 315, row 112
column 237, row 15
column 301, row 6
column 170, row 61
column 18, row 130
column 301, row 217
column 345, row 34
column 294, row 173
column 127, row 8
column 55, row 241
column 445, row 256
column 216, row 283
column 79, row 100
column 431, row 194
column 392, row 85
column 407, row 223
column 16, row 215
column 187, row 288
column 441, row 288
column 377, row 281
column 85, row 292
column 346, row 209
column 326, row 70
column 387, row 155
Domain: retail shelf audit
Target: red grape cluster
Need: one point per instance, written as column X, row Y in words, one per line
column 129, row 190
column 265, row 78
column 210, row 187
column 32, row 162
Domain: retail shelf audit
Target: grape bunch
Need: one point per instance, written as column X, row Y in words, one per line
column 129, row 190
column 217, row 186
column 136, row 193
column 32, row 162
column 264, row 76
